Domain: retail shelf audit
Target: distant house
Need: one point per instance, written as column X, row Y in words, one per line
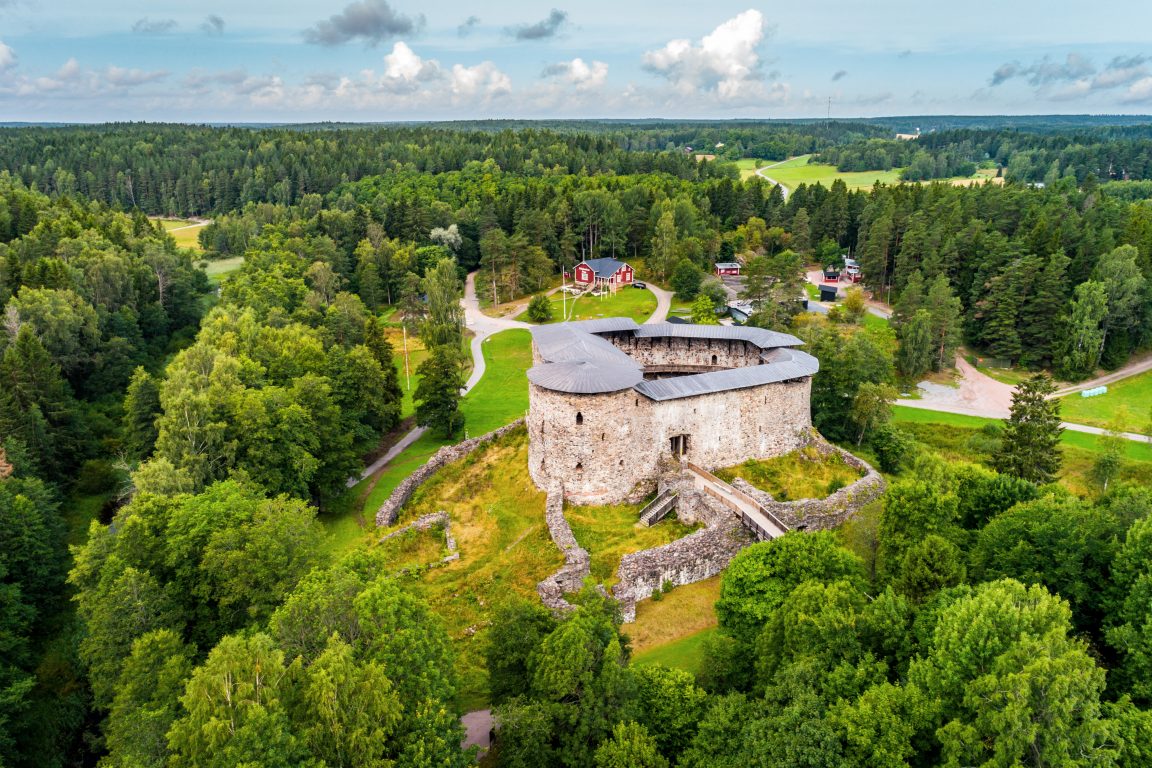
column 727, row 268
column 604, row 272
column 740, row 311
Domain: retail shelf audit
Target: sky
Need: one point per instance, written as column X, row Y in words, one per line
column 388, row 60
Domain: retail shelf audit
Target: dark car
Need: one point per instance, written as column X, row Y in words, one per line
column 639, row 284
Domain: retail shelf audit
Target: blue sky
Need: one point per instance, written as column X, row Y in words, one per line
column 285, row 60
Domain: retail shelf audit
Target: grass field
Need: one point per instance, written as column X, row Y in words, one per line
column 1127, row 402
column 803, row 474
column 626, row 302
column 217, row 269
column 610, row 532
column 959, row 438
column 501, row 397
column 672, row 631
column 797, row 170
column 498, row 521
column 792, row 173
column 185, row 232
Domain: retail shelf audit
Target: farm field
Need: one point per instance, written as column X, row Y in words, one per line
column 626, row 302
column 1126, row 402
column 185, row 231
column 797, row 170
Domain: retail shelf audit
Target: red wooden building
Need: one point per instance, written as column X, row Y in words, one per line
column 603, row 272
column 727, row 268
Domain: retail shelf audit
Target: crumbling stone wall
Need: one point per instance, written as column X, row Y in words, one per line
column 427, row 522
column 577, row 562
column 695, row 557
column 826, row 513
column 601, row 447
column 389, row 511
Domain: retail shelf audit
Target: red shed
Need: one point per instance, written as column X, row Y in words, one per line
column 727, row 268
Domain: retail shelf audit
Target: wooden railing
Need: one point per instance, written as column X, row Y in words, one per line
column 736, row 492
column 658, row 508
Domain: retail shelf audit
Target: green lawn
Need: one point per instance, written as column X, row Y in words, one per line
column 218, row 268
column 1127, row 401
column 626, row 302
column 501, row 397
column 792, row 173
column 748, row 167
column 687, row 653
column 959, row 437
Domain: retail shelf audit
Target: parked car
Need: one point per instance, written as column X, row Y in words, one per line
column 639, row 284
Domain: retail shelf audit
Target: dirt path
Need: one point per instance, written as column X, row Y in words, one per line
column 975, row 395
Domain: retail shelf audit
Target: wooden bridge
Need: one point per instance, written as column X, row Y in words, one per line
column 659, row 508
column 756, row 516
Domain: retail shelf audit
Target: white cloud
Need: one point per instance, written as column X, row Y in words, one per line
column 726, row 61
column 483, row 81
column 1139, row 92
column 7, row 57
column 405, row 70
column 127, row 78
column 583, row 76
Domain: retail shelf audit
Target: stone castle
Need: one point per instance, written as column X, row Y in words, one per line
column 611, row 403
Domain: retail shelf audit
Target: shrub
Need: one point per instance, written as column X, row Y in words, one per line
column 539, row 309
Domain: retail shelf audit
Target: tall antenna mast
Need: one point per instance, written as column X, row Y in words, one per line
column 829, row 118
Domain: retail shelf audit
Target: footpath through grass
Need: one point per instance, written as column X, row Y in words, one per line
column 636, row 303
column 1127, row 401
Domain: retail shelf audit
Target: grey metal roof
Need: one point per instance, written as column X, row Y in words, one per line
column 797, row 365
column 728, row 264
column 604, row 267
column 604, row 324
column 761, row 337
column 567, row 342
column 575, row 360
column 585, row 377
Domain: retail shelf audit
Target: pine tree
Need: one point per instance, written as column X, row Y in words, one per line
column 946, row 318
column 916, row 353
column 438, row 393
column 1030, row 446
column 1042, row 315
column 141, row 407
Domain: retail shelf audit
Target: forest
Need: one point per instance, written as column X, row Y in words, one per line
column 173, row 450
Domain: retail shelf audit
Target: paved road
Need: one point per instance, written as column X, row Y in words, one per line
column 770, row 180
column 482, row 326
column 663, row 305
column 1140, row 365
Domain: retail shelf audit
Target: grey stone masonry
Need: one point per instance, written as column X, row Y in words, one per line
column 427, row 522
column 695, row 557
column 570, row 577
column 389, row 511
column 826, row 513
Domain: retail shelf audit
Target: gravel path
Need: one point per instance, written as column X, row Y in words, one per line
column 663, row 305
